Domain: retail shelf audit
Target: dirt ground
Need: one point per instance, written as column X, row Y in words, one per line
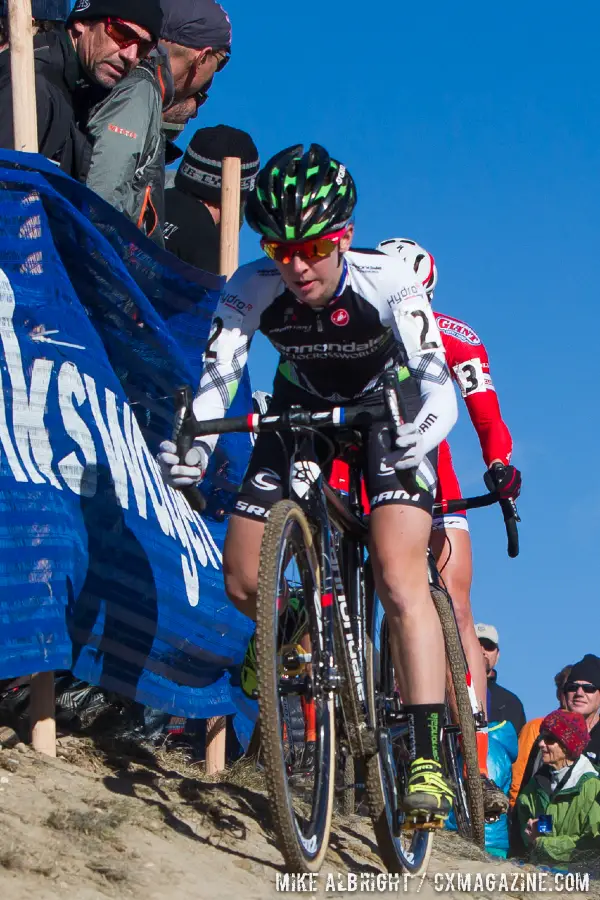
column 104, row 821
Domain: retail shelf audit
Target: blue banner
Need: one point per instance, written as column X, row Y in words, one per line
column 103, row 569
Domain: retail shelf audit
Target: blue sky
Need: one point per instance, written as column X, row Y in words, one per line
column 473, row 129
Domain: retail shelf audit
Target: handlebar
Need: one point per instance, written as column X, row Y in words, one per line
column 187, row 427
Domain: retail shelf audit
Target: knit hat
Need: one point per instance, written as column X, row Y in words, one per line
column 145, row 13
column 569, row 728
column 587, row 669
column 200, row 170
column 196, row 24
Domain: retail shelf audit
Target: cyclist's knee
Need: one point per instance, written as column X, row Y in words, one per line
column 241, row 587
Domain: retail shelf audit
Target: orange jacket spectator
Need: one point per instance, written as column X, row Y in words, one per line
column 527, row 738
column 523, row 767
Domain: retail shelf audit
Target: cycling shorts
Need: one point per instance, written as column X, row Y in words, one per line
column 448, row 488
column 267, row 477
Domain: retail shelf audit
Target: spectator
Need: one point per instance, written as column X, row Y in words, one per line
column 128, row 163
column 193, row 206
column 565, row 790
column 502, row 704
column 102, row 41
column 529, row 757
column 582, row 695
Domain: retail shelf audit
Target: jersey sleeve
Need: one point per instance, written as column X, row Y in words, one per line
column 408, row 312
column 470, row 366
column 235, row 321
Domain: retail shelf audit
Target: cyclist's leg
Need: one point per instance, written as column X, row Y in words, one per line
column 400, row 527
column 240, row 562
column 451, row 547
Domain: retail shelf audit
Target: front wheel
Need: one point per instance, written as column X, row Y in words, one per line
column 291, row 665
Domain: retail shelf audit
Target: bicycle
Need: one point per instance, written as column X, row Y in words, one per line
column 316, row 546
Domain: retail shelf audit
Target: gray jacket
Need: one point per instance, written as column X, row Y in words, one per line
column 128, row 158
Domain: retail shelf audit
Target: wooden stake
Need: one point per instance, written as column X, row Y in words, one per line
column 230, row 244
column 22, row 75
column 41, row 709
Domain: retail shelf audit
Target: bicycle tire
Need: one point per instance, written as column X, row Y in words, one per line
column 345, row 784
column 397, row 858
column 470, row 820
column 303, row 852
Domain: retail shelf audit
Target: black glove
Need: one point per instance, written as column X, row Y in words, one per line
column 506, row 480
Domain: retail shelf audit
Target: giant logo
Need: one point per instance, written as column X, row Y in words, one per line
column 457, row 329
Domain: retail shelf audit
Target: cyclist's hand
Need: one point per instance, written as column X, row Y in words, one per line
column 182, row 473
column 506, row 480
column 410, row 441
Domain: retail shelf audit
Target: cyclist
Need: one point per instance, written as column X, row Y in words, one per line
column 450, row 541
column 339, row 319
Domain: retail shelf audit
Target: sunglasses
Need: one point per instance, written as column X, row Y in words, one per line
column 488, row 645
column 316, row 248
column 571, row 687
column 223, row 57
column 124, row 36
column 548, row 739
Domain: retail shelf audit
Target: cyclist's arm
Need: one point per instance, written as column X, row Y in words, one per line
column 471, row 370
column 234, row 323
column 415, row 327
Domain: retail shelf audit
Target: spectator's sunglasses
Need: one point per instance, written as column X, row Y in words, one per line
column 315, row 248
column 571, row 687
column 488, row 645
column 548, row 738
column 223, row 56
column 124, row 36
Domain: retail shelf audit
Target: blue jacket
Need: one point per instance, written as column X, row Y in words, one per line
column 502, row 752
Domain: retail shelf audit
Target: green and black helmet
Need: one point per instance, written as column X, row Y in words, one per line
column 301, row 195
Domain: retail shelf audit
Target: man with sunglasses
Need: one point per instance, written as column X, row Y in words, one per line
column 130, row 147
column 582, row 695
column 501, row 703
column 76, row 65
column 339, row 319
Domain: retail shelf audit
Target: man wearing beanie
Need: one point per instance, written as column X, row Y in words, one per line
column 129, row 157
column 74, row 66
column 582, row 695
column 193, row 206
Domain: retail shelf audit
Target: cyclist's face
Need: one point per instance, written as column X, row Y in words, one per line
column 314, row 281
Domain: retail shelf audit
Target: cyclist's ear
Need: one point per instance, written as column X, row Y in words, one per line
column 346, row 240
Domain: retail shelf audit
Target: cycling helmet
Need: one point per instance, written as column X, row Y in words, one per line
column 422, row 262
column 301, row 195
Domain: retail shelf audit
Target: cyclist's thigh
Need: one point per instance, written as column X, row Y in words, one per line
column 240, row 558
column 383, row 486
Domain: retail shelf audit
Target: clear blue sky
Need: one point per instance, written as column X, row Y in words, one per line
column 474, row 129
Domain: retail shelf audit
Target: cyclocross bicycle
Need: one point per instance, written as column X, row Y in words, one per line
column 333, row 645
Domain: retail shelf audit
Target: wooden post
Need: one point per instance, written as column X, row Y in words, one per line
column 41, row 709
column 22, row 75
column 230, row 244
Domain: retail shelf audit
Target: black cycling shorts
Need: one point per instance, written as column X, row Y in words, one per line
column 267, row 477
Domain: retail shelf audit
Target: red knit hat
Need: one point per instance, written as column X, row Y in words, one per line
column 569, row 728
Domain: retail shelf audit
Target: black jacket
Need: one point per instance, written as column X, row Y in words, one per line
column 503, row 705
column 64, row 99
column 190, row 231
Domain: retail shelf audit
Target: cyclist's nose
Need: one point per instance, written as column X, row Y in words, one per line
column 298, row 265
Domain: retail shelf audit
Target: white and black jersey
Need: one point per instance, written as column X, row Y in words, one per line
column 379, row 317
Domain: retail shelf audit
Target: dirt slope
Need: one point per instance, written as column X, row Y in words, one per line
column 99, row 823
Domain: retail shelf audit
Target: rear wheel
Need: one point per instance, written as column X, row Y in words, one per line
column 459, row 740
column 288, row 622
column 401, row 850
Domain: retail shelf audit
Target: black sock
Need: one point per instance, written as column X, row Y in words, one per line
column 425, row 725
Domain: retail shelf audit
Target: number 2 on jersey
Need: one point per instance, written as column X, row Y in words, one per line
column 425, row 344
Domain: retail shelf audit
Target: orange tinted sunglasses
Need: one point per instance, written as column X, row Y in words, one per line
column 315, row 248
column 124, row 36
